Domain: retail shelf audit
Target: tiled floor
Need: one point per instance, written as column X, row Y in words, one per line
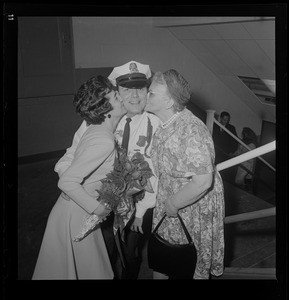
column 249, row 244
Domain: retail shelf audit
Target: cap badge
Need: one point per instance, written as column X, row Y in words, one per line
column 133, row 68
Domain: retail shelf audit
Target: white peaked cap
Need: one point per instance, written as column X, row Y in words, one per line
column 132, row 75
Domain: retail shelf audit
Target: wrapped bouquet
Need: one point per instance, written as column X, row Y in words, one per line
column 120, row 190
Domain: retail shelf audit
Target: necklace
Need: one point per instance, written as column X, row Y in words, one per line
column 170, row 120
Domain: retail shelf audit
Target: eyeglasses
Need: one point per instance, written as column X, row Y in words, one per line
column 152, row 93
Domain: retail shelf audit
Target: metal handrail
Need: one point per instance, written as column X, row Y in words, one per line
column 247, row 170
column 239, row 159
column 246, row 156
column 252, row 215
column 242, row 143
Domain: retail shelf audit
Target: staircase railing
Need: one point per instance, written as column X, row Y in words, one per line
column 239, row 159
column 235, row 161
column 247, row 155
column 252, row 173
column 242, row 143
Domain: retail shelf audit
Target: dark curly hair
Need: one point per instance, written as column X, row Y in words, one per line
column 90, row 101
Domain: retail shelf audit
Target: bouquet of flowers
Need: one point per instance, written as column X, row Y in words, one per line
column 120, row 190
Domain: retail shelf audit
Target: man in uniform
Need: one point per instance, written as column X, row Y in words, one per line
column 132, row 81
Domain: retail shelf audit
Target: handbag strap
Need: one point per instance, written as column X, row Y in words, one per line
column 182, row 223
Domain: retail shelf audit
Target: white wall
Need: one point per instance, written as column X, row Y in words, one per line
column 112, row 41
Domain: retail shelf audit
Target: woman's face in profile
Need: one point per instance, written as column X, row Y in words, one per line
column 155, row 98
column 116, row 101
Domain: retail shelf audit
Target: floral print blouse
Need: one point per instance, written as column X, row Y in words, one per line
column 184, row 149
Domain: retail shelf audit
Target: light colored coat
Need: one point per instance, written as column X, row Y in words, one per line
column 80, row 171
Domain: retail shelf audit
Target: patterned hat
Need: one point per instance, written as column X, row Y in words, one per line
column 131, row 75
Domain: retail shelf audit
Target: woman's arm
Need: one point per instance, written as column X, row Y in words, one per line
column 65, row 161
column 189, row 194
column 197, row 163
column 86, row 162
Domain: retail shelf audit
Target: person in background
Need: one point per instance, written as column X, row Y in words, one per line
column 224, row 143
column 131, row 80
column 80, row 170
column 189, row 184
column 243, row 177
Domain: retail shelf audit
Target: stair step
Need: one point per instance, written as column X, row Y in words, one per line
column 261, row 256
column 245, row 273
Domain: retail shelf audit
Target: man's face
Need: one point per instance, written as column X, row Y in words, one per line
column 225, row 120
column 134, row 100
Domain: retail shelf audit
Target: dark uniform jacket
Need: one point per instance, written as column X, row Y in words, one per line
column 224, row 143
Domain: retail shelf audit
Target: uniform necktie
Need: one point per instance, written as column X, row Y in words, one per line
column 126, row 132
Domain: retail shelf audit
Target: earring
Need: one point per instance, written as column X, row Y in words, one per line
column 109, row 116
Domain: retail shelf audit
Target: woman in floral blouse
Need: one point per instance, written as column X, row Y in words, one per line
column 183, row 158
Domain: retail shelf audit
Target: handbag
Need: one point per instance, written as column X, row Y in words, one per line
column 172, row 259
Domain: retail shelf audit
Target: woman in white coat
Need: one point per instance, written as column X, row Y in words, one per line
column 60, row 257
